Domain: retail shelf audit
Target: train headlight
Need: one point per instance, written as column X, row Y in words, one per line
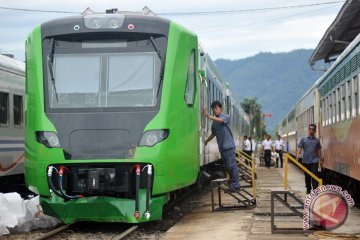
column 114, row 23
column 49, row 139
column 153, row 137
column 105, row 21
column 95, row 23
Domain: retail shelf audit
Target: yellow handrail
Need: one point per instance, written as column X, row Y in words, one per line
column 241, row 153
column 252, row 168
column 302, row 167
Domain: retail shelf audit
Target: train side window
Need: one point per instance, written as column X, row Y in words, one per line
column 214, row 92
column 334, row 106
column 307, row 118
column 312, row 118
column 338, row 97
column 4, row 108
column 349, row 96
column 18, row 110
column 343, row 102
column 330, row 109
column 356, row 96
column 190, row 89
column 209, row 97
column 326, row 111
column 303, row 120
column 322, row 106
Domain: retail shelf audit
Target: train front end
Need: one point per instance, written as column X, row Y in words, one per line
column 97, row 140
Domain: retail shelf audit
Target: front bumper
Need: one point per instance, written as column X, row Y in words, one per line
column 102, row 209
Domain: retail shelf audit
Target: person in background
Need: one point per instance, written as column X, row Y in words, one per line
column 311, row 147
column 279, row 148
column 251, row 147
column 221, row 130
column 247, row 148
column 267, row 149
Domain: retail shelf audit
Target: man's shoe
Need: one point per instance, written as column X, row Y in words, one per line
column 308, row 191
column 231, row 189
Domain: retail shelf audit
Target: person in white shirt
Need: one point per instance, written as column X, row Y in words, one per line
column 279, row 148
column 252, row 146
column 247, row 148
column 267, row 149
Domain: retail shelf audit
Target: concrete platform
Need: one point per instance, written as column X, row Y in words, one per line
column 252, row 224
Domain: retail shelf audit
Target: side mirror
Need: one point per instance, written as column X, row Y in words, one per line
column 202, row 73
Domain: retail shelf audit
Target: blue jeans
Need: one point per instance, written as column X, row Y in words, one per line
column 229, row 159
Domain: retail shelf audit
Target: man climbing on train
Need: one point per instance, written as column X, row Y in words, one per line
column 221, row 130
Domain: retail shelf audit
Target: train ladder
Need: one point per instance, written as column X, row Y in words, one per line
column 246, row 196
column 289, row 200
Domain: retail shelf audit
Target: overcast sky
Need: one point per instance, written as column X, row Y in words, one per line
column 231, row 36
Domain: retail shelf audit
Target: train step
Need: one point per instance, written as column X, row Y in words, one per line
column 245, row 200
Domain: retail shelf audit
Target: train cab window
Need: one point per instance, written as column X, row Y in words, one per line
column 18, row 110
column 356, row 96
column 190, row 89
column 4, row 108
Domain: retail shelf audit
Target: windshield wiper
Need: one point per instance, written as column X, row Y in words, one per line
column 51, row 66
column 162, row 63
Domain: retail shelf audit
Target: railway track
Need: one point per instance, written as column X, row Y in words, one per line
column 61, row 229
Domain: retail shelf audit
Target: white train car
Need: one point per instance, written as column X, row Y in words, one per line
column 12, row 91
column 294, row 125
column 218, row 89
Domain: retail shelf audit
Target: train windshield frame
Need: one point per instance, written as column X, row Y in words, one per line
column 111, row 73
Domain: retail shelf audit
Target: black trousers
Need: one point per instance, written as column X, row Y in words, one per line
column 249, row 153
column 280, row 152
column 309, row 181
column 267, row 157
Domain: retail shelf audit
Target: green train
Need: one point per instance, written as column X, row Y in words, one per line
column 113, row 121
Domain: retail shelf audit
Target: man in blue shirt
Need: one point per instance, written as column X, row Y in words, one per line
column 311, row 157
column 221, row 130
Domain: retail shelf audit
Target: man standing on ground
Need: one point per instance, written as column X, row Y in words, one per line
column 267, row 149
column 311, row 157
column 221, row 130
column 279, row 147
column 247, row 148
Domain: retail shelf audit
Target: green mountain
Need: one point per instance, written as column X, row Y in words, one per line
column 277, row 80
